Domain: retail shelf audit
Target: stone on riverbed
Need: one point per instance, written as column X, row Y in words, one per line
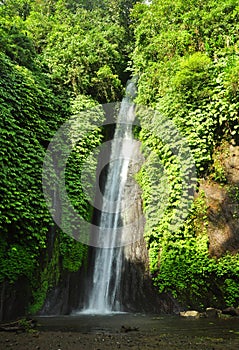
column 211, row 312
column 190, row 314
column 232, row 311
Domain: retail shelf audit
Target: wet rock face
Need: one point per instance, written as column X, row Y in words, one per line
column 66, row 296
column 223, row 208
column 14, row 299
column 137, row 290
column 223, row 220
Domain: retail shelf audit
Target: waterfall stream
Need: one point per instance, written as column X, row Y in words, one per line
column 104, row 296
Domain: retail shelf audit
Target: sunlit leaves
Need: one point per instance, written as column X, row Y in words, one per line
column 186, row 59
column 84, row 53
column 24, row 220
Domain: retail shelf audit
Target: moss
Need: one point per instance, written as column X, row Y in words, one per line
column 218, row 171
column 67, row 255
column 47, row 278
column 39, row 297
column 73, row 253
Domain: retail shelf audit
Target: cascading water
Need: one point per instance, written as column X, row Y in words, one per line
column 105, row 294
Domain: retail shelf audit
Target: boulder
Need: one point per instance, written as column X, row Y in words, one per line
column 232, row 311
column 212, row 313
column 190, row 314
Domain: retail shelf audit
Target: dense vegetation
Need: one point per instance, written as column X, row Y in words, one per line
column 186, row 57
column 60, row 57
column 57, row 58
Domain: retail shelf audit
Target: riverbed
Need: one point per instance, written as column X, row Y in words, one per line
column 126, row 331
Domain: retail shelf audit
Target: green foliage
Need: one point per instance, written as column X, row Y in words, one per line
column 46, row 277
column 227, row 272
column 53, row 54
column 200, row 104
column 38, row 296
column 14, row 41
column 182, row 266
column 218, row 172
column 189, row 84
column 186, row 60
column 30, row 114
column 24, row 219
column 230, row 291
column 17, row 260
column 84, row 53
column 186, row 270
column 16, row 8
column 193, row 73
column 73, row 253
column 57, row 58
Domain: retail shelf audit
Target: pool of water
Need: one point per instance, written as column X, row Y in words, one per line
column 175, row 325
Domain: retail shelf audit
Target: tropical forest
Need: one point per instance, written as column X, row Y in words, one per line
column 63, row 58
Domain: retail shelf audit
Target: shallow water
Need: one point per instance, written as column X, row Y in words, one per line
column 150, row 324
column 139, row 332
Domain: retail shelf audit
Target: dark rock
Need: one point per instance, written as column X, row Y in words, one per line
column 14, row 299
column 126, row 329
column 212, row 312
column 223, row 224
column 67, row 295
column 232, row 311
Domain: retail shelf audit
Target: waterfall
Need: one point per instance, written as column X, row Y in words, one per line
column 104, row 296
